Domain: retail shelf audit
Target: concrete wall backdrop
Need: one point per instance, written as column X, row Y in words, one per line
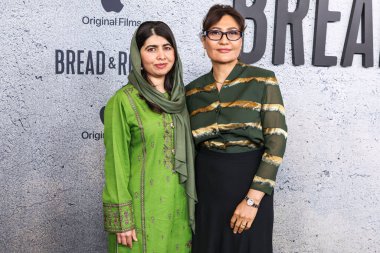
column 51, row 172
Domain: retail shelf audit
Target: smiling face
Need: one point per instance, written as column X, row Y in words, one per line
column 157, row 56
column 223, row 51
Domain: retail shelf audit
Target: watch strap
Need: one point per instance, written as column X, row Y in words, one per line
column 253, row 202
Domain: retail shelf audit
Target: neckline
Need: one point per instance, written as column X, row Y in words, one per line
column 235, row 72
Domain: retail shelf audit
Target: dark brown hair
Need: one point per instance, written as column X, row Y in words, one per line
column 217, row 11
column 159, row 28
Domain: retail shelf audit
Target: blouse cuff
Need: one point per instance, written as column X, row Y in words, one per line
column 118, row 217
column 263, row 185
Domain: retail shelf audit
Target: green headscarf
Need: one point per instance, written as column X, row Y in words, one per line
column 176, row 106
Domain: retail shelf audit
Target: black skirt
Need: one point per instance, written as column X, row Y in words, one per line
column 222, row 181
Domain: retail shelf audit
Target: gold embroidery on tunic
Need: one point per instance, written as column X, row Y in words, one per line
column 118, row 217
column 142, row 181
column 168, row 142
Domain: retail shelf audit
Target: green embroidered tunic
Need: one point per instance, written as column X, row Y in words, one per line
column 247, row 114
column 142, row 190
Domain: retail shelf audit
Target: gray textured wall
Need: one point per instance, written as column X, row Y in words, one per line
column 327, row 198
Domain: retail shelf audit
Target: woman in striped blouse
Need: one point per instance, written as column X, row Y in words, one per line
column 238, row 124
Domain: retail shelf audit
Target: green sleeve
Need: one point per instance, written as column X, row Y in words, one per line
column 275, row 134
column 117, row 200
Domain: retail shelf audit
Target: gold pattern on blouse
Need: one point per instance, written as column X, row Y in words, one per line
column 272, row 159
column 223, row 127
column 264, row 181
column 274, row 108
column 276, row 131
column 225, row 145
column 230, row 83
column 240, row 104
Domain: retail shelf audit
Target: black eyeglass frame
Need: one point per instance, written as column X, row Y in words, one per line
column 205, row 33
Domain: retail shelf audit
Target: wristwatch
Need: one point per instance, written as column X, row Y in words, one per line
column 251, row 202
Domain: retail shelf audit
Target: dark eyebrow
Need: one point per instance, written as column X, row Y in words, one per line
column 156, row 46
column 228, row 29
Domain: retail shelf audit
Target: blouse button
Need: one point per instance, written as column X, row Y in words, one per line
column 214, row 131
column 173, row 151
column 172, row 125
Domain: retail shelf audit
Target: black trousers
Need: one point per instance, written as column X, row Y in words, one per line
column 222, row 181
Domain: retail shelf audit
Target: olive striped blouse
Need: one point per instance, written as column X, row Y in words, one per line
column 247, row 114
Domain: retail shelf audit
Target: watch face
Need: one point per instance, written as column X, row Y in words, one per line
column 250, row 202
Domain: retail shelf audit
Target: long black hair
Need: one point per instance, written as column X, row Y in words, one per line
column 145, row 30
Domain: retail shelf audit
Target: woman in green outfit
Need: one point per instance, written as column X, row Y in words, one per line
column 149, row 192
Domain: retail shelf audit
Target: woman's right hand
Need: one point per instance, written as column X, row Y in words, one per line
column 126, row 238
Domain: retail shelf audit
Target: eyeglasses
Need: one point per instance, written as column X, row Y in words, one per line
column 218, row 35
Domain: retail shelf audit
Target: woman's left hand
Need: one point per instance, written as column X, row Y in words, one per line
column 243, row 217
column 244, row 214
